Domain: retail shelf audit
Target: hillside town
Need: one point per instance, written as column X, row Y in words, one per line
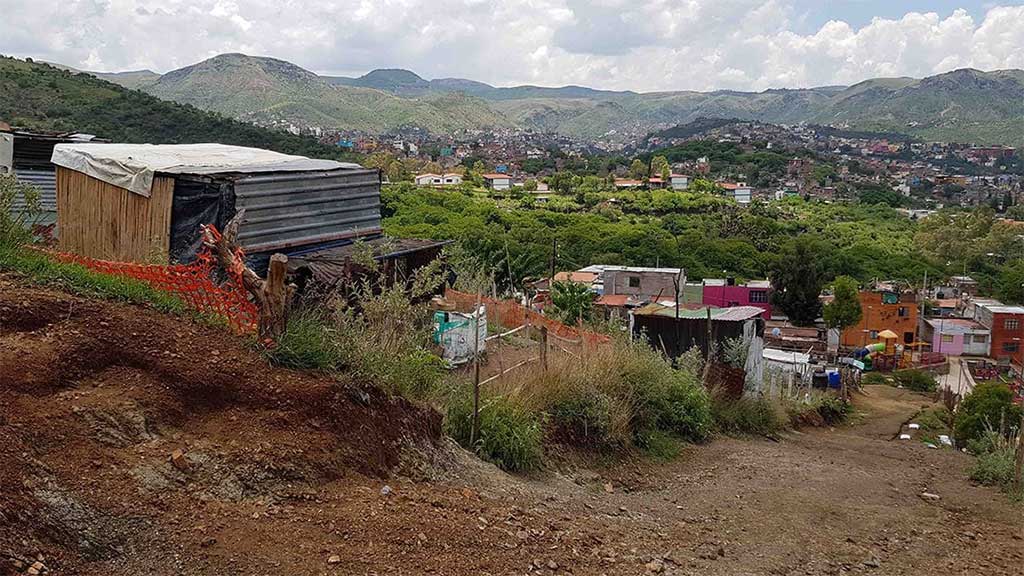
column 599, row 289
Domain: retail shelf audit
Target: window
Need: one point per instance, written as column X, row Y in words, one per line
column 1011, row 324
column 634, row 281
column 908, row 337
column 902, row 311
column 1010, row 347
column 874, row 334
column 758, row 296
column 980, row 339
column 947, row 338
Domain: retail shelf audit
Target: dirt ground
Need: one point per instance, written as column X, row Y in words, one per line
column 133, row 443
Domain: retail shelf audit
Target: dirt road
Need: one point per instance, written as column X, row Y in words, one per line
column 131, row 443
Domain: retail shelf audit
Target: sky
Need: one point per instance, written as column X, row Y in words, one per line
column 642, row 45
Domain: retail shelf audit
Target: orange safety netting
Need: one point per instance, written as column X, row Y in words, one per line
column 512, row 315
column 193, row 283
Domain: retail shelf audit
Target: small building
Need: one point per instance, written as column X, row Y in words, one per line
column 739, row 191
column 145, row 203
column 727, row 293
column 1007, row 326
column 451, row 179
column 677, row 329
column 883, row 310
column 542, row 193
column 640, row 282
column 26, row 154
column 956, row 336
column 679, row 181
column 623, row 183
column 428, row 179
column 655, row 182
column 497, row 181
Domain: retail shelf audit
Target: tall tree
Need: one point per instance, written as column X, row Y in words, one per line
column 798, row 278
column 844, row 310
column 660, row 167
column 572, row 301
column 638, row 170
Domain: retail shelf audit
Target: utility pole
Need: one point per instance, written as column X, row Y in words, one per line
column 554, row 256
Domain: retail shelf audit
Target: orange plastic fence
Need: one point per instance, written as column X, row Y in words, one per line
column 512, row 314
column 193, row 283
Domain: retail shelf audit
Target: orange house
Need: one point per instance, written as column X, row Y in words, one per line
column 882, row 311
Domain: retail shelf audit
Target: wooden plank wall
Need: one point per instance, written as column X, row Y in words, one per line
column 100, row 220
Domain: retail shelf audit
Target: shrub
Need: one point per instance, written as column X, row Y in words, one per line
column 989, row 406
column 758, row 416
column 15, row 227
column 510, row 436
column 874, row 378
column 583, row 418
column 994, row 468
column 306, row 343
column 819, row 409
column 658, row 445
column 916, row 380
column 665, row 398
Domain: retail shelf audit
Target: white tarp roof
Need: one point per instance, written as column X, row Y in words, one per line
column 132, row 166
column 784, row 357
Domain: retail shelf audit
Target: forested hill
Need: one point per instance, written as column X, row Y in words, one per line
column 40, row 96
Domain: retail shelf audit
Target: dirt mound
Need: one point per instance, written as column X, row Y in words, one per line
column 112, row 416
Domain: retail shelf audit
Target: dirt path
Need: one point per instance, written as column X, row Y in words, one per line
column 285, row 473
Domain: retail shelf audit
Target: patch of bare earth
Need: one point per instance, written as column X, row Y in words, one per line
column 135, row 443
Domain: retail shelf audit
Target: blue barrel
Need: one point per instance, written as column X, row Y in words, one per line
column 835, row 380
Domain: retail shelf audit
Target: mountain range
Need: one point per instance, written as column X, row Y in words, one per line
column 962, row 105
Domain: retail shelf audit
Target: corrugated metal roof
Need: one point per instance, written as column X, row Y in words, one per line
column 734, row 314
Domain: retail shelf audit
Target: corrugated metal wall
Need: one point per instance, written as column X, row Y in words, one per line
column 46, row 182
column 286, row 210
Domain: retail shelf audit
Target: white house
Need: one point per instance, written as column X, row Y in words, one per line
column 497, row 181
column 428, row 179
column 739, row 191
column 679, row 181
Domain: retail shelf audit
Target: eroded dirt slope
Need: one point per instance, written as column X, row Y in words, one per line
column 134, row 443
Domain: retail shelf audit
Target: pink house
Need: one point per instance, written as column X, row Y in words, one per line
column 726, row 293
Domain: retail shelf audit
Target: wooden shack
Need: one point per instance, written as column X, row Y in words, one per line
column 145, row 203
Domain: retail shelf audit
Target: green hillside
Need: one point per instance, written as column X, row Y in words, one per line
column 270, row 91
column 44, row 97
column 963, row 105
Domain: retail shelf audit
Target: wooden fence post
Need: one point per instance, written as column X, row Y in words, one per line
column 1018, row 474
column 544, row 347
column 474, row 432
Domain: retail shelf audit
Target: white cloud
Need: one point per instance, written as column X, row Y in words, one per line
column 620, row 44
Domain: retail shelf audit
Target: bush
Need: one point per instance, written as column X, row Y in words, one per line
column 306, row 343
column 583, row 418
column 758, row 416
column 874, row 378
column 916, row 380
column 664, row 398
column 659, row 445
column 510, row 436
column 820, row 409
column 994, row 468
column 15, row 227
column 989, row 406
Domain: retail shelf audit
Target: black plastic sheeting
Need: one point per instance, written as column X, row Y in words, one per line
column 196, row 202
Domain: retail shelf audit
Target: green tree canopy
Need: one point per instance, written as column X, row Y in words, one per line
column 572, row 301
column 844, row 309
column 798, row 278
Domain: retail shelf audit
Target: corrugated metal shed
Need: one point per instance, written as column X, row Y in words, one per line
column 734, row 314
column 46, row 182
column 285, row 210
